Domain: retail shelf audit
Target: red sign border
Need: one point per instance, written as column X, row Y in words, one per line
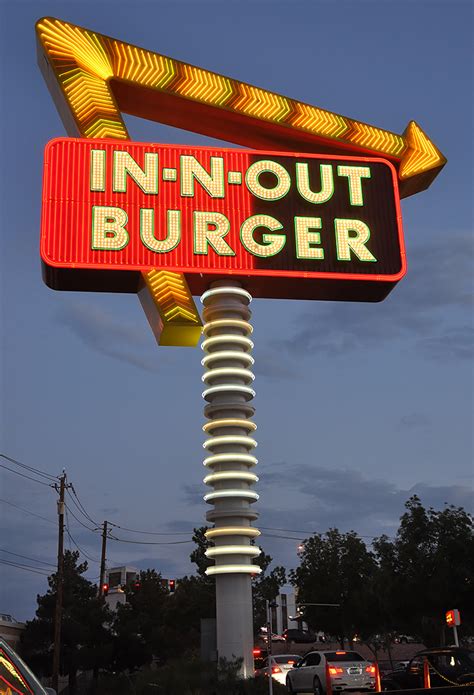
column 291, row 274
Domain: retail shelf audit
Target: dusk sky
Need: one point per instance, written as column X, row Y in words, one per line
column 358, row 407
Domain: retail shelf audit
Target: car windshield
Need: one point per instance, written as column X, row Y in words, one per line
column 343, row 656
column 287, row 659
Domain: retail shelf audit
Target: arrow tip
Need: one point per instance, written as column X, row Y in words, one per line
column 421, row 162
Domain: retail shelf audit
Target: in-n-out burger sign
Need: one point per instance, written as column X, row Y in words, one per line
column 292, row 225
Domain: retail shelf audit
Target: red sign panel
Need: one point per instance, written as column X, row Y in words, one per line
column 289, row 225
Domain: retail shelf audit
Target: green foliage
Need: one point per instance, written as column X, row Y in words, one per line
column 265, row 587
column 335, row 568
column 189, row 676
column 139, row 626
column 85, row 635
column 427, row 569
column 198, row 555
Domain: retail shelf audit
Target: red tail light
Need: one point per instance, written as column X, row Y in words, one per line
column 276, row 669
column 256, row 651
column 335, row 670
column 371, row 669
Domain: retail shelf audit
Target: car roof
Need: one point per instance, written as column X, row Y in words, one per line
column 445, row 650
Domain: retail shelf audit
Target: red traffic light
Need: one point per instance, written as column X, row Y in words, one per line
column 171, row 585
column 137, row 585
column 105, row 589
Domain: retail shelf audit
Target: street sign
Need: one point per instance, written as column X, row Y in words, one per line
column 291, row 225
column 94, row 78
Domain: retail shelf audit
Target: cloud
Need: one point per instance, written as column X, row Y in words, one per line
column 270, row 364
column 320, row 498
column 193, row 493
column 423, row 309
column 413, row 421
column 109, row 336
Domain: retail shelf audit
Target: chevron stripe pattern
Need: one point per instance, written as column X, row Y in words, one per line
column 319, row 121
column 376, row 139
column 260, row 103
column 141, row 67
column 83, row 61
column 421, row 154
column 203, row 85
column 180, row 319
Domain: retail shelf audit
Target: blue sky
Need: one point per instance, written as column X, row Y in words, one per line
column 358, row 406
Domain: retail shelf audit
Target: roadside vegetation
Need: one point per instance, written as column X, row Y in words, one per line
column 402, row 584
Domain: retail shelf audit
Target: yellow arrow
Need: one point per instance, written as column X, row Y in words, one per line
column 113, row 74
column 82, row 65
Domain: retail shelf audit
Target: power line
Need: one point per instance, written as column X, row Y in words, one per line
column 29, row 468
column 75, row 543
column 27, row 511
column 94, row 530
column 27, row 568
column 81, row 506
column 35, row 480
column 151, row 533
column 25, row 557
column 123, row 540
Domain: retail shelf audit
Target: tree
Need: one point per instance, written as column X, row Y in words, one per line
column 85, row 636
column 139, row 626
column 198, row 555
column 265, row 587
column 336, row 568
column 428, row 568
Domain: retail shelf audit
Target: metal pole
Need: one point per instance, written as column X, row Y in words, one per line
column 456, row 640
column 102, row 559
column 229, row 463
column 269, row 645
column 59, row 585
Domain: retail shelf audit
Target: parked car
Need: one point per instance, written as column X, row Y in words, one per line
column 302, row 636
column 275, row 637
column 347, row 671
column 15, row 675
column 259, row 656
column 406, row 639
column 447, row 666
column 278, row 665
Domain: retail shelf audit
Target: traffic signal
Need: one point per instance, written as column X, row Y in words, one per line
column 137, row 585
column 171, row 585
column 105, row 589
column 453, row 617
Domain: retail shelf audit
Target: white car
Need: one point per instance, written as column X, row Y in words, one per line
column 279, row 664
column 347, row 671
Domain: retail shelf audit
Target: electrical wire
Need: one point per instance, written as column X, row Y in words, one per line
column 76, row 544
column 28, row 568
column 151, row 533
column 124, row 540
column 40, row 482
column 81, row 511
column 30, row 468
column 25, row 557
column 94, row 530
column 81, row 506
column 26, row 511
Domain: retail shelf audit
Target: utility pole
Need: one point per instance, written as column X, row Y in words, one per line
column 269, row 606
column 102, row 559
column 59, row 576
